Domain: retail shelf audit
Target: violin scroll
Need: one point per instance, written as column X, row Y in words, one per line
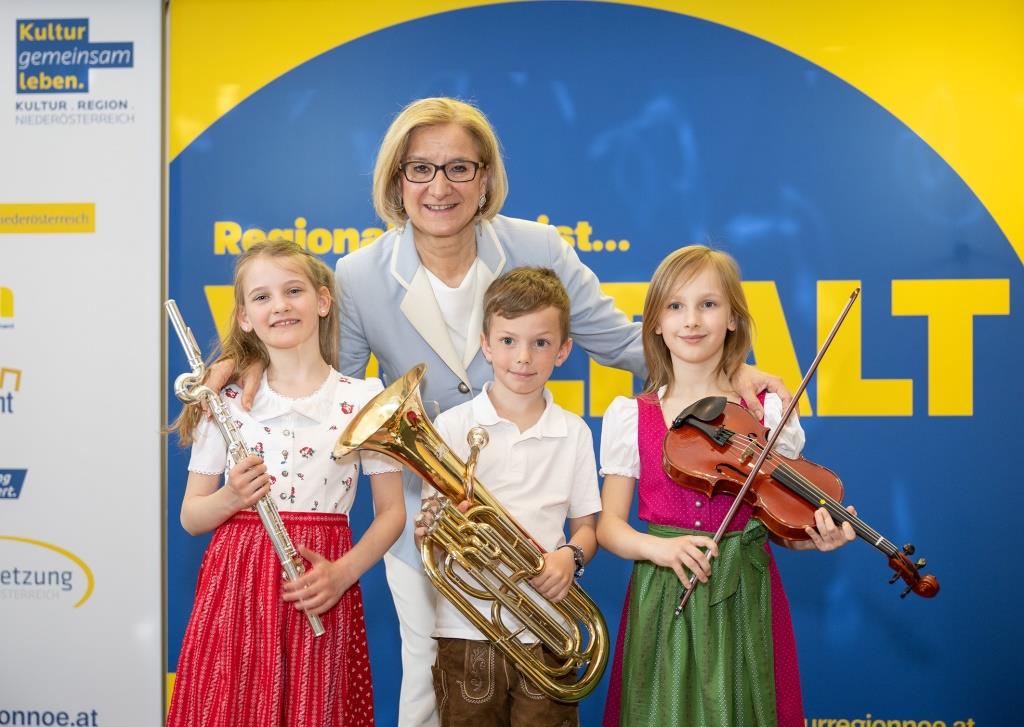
column 926, row 586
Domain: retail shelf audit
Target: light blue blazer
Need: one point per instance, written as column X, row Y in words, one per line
column 388, row 309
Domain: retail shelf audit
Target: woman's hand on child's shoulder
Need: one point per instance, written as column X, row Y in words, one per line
column 749, row 382
column 826, row 535
column 321, row 586
column 555, row 579
column 221, row 373
column 686, row 550
column 248, row 481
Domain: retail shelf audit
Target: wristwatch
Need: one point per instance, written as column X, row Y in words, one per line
column 577, row 556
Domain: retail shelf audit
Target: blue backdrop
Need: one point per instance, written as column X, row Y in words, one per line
column 666, row 130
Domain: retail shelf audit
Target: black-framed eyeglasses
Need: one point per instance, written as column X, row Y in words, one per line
column 423, row 172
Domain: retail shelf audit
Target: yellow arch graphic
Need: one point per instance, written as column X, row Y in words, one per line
column 89, row 580
column 952, row 72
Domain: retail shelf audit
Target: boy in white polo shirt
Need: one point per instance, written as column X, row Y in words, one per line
column 539, row 464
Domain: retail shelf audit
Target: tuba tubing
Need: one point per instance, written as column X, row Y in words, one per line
column 497, row 555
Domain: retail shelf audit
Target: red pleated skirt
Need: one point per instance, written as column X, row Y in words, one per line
column 250, row 659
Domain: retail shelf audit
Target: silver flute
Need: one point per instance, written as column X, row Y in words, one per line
column 190, row 389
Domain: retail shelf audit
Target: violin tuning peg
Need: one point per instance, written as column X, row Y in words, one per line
column 909, row 549
column 907, row 590
column 895, row 577
column 921, row 563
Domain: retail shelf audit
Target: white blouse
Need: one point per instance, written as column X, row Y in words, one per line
column 620, row 454
column 309, row 425
column 461, row 308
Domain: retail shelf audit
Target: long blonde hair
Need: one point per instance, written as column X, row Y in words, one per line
column 245, row 347
column 679, row 267
column 387, row 178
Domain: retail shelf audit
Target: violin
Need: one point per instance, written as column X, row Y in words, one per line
column 713, row 445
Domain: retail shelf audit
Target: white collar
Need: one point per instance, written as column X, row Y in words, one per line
column 268, row 404
column 405, row 260
column 551, row 423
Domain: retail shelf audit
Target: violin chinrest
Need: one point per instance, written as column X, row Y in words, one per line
column 707, row 409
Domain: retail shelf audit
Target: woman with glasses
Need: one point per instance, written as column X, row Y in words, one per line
column 415, row 295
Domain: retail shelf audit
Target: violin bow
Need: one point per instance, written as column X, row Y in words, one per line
column 688, row 590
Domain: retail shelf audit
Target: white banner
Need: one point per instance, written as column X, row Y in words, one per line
column 80, row 386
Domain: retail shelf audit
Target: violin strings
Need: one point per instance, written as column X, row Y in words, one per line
column 812, row 493
column 802, row 486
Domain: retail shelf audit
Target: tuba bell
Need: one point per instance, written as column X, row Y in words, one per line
column 497, row 556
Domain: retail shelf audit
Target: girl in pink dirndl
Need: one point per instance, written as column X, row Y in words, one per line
column 730, row 658
column 249, row 656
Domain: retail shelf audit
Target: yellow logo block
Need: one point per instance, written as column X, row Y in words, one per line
column 31, row 218
column 6, row 303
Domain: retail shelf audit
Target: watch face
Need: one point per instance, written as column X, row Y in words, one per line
column 577, row 556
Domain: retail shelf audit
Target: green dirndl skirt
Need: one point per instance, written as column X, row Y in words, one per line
column 711, row 666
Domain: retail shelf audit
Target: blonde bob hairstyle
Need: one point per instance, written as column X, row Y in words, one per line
column 680, row 267
column 244, row 347
column 387, row 177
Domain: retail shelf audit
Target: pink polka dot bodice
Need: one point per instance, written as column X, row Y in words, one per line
column 664, row 502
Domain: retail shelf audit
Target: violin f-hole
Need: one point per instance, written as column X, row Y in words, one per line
column 722, row 466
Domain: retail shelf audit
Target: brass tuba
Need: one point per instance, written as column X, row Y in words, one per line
column 497, row 554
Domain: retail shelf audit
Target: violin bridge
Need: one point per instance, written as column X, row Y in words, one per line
column 748, row 452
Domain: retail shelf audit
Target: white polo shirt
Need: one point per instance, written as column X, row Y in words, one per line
column 542, row 477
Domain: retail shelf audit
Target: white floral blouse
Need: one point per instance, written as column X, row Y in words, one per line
column 295, row 437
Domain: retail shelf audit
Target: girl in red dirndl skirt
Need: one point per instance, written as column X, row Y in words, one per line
column 249, row 656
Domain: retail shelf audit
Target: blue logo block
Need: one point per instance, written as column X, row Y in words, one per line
column 10, row 483
column 54, row 55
